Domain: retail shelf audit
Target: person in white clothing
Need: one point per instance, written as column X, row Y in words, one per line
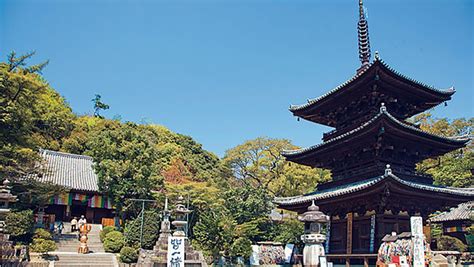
column 82, row 221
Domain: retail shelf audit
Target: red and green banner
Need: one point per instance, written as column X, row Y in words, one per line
column 98, row 201
column 63, row 199
column 454, row 229
column 81, row 197
column 95, row 201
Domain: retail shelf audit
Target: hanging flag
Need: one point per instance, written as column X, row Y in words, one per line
column 98, row 201
column 63, row 199
column 80, row 197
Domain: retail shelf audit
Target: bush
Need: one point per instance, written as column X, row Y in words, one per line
column 20, row 225
column 42, row 245
column 451, row 243
column 128, row 255
column 42, row 234
column 105, row 231
column 114, row 241
column 42, row 242
column 151, row 227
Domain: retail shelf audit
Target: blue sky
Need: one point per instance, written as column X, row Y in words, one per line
column 226, row 71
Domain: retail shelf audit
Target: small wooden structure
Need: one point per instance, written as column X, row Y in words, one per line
column 456, row 221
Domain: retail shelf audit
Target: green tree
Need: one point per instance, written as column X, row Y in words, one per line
column 99, row 106
column 453, row 168
column 20, row 225
column 260, row 163
column 151, row 226
column 32, row 116
column 126, row 157
column 230, row 228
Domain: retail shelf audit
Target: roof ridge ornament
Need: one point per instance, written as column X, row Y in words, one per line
column 383, row 108
column 388, row 170
column 363, row 39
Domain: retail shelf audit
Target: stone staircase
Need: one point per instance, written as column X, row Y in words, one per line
column 68, row 243
column 85, row 260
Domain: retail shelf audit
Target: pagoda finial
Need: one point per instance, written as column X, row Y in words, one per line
column 363, row 38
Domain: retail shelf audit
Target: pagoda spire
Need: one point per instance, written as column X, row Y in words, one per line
column 363, row 38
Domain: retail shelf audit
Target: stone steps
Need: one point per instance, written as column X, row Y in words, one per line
column 85, row 260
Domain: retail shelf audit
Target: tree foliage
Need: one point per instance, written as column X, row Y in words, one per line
column 32, row 115
column 454, row 168
column 230, row 228
column 260, row 163
column 151, row 226
column 20, row 225
column 99, row 106
column 126, row 160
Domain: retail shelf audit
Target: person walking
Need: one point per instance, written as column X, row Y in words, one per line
column 73, row 225
column 60, row 227
column 82, row 221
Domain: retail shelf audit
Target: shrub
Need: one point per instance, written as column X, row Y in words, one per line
column 105, row 231
column 151, row 227
column 42, row 234
column 114, row 241
column 42, row 245
column 128, row 255
column 42, row 242
column 20, row 225
column 451, row 243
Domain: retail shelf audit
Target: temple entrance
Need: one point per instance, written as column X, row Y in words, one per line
column 78, row 208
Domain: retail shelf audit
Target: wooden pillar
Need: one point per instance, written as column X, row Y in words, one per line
column 348, row 262
column 350, row 217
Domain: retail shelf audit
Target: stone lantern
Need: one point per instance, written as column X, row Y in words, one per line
column 181, row 221
column 312, row 238
column 5, row 199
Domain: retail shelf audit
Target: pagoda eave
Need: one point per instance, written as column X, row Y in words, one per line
column 382, row 124
column 349, row 197
column 397, row 87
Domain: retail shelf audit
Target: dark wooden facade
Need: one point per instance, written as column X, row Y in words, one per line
column 372, row 154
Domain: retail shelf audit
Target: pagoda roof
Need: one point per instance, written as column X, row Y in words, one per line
column 366, row 185
column 436, row 95
column 297, row 154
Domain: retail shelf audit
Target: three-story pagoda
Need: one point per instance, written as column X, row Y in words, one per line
column 372, row 154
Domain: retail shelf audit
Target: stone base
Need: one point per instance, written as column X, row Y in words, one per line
column 159, row 254
column 311, row 254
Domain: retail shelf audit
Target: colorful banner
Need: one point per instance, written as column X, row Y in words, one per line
column 95, row 201
column 80, row 197
column 454, row 229
column 98, row 201
column 63, row 199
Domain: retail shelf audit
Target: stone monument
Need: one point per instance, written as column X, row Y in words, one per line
column 312, row 238
column 158, row 256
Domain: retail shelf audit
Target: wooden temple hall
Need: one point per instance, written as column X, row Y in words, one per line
column 372, row 153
